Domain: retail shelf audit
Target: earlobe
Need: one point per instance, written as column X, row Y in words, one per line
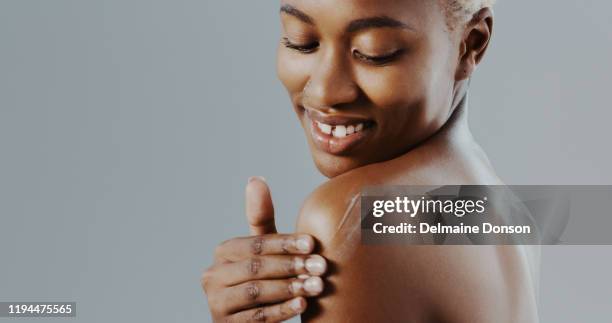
column 474, row 44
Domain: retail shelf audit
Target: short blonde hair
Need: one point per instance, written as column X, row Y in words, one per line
column 463, row 10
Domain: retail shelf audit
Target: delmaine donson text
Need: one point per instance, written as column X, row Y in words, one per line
column 448, row 207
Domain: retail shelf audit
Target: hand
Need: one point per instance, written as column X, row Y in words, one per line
column 264, row 277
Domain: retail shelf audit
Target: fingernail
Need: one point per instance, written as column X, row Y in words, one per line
column 313, row 285
column 296, row 304
column 296, row 286
column 316, row 265
column 304, row 244
column 298, row 263
column 261, row 178
column 303, row 276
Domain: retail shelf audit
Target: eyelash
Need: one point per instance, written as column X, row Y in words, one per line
column 374, row 60
column 306, row 49
column 378, row 60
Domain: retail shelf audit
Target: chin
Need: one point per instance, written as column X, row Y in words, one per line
column 332, row 166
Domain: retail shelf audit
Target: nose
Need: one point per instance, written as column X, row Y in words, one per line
column 331, row 83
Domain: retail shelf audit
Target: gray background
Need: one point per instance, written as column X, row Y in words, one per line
column 128, row 129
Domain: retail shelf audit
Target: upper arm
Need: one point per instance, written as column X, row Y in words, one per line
column 387, row 283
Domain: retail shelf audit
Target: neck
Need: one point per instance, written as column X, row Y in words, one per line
column 457, row 127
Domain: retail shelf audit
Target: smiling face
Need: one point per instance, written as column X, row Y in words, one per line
column 369, row 79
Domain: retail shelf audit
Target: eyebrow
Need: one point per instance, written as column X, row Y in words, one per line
column 293, row 11
column 376, row 22
column 355, row 25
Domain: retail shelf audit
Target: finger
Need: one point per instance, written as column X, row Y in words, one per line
column 259, row 207
column 268, row 267
column 273, row 244
column 274, row 313
column 257, row 293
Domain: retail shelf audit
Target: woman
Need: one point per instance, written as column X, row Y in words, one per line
column 380, row 88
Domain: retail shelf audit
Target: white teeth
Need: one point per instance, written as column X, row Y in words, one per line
column 325, row 128
column 340, row 132
column 350, row 130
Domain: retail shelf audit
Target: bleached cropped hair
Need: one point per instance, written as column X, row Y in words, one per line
column 464, row 10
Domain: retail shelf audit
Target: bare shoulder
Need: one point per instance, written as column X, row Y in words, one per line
column 408, row 283
column 333, row 204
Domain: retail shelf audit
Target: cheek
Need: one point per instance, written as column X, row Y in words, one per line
column 399, row 96
column 412, row 98
column 292, row 70
column 392, row 86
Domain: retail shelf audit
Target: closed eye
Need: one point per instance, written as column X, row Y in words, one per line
column 302, row 48
column 378, row 60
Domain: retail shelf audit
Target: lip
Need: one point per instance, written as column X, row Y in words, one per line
column 329, row 143
column 336, row 119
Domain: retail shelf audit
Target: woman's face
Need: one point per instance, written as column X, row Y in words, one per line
column 369, row 79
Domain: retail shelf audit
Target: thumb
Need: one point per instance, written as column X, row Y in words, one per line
column 259, row 207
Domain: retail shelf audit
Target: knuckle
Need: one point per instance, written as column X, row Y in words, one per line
column 218, row 304
column 289, row 265
column 254, row 266
column 206, row 278
column 285, row 311
column 259, row 315
column 215, row 304
column 257, row 245
column 286, row 245
column 252, row 291
column 219, row 249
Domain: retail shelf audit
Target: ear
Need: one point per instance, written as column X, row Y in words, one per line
column 475, row 40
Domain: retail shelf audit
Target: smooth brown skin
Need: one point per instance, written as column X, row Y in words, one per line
column 398, row 283
column 409, row 98
column 417, row 102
